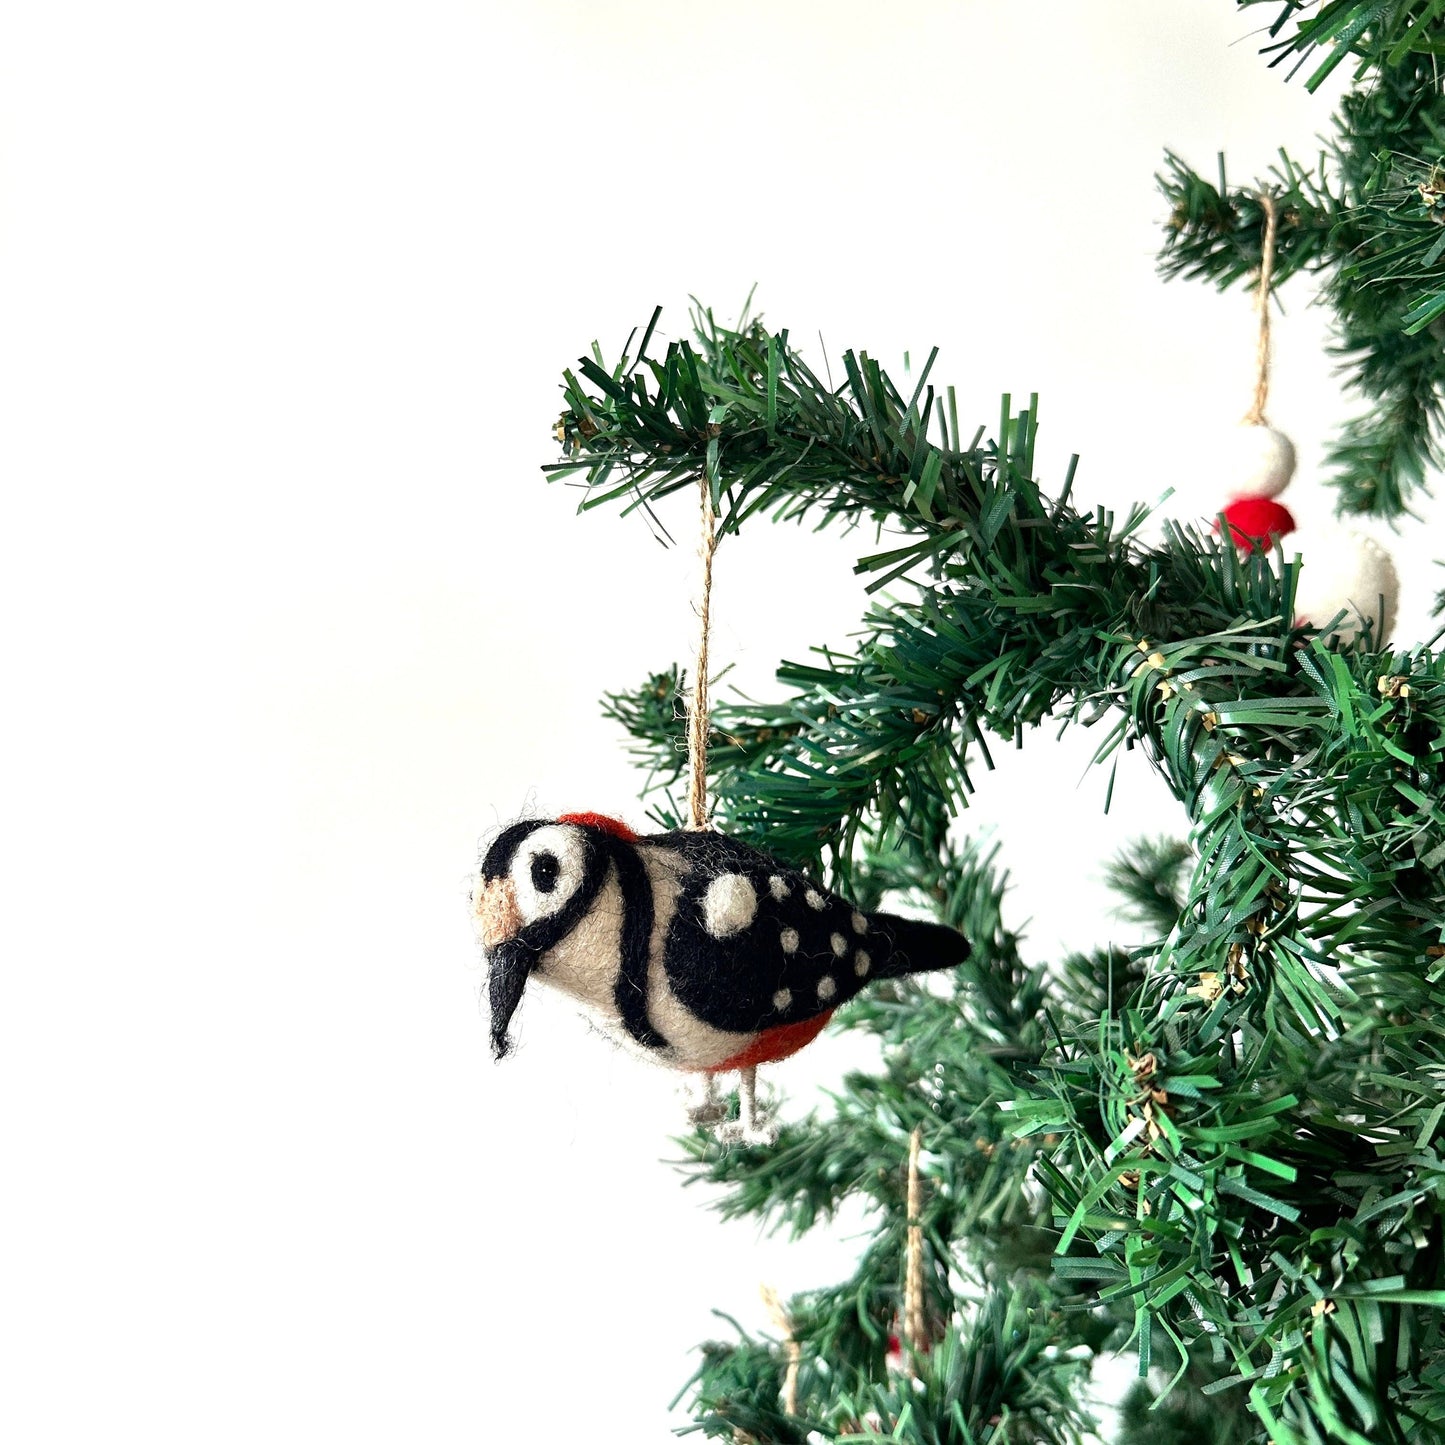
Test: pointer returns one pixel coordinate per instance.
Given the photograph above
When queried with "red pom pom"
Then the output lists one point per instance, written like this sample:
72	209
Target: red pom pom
1257	521
602	822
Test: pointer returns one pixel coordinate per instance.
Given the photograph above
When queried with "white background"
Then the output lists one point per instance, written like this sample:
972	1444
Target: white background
291	620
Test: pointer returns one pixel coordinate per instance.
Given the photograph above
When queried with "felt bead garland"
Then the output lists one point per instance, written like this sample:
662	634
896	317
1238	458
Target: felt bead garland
1258	460
1346	578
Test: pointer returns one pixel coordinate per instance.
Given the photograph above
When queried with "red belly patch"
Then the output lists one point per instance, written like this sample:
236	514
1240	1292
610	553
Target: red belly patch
774	1044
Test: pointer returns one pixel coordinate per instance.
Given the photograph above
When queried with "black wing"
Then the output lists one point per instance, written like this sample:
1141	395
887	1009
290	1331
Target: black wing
802	951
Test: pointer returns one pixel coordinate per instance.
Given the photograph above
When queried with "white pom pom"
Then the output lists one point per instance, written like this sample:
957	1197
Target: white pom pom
1345	571
1255	461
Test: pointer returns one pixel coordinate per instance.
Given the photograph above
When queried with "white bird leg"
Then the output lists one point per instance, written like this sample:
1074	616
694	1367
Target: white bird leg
750	1127
704	1106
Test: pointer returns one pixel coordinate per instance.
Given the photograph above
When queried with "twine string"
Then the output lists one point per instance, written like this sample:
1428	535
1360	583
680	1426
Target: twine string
1255	415
699	723
793	1351
913	1325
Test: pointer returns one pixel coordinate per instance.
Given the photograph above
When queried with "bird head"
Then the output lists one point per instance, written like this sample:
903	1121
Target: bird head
538	879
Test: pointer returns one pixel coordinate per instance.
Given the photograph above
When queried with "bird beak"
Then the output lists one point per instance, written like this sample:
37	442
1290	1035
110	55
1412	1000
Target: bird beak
494	906
507	974
509	964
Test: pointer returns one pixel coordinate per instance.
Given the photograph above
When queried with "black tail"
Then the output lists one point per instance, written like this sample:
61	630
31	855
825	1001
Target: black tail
915	947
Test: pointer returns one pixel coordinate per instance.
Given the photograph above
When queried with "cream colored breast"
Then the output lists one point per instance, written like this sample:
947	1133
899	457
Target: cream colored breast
693	1044
586	962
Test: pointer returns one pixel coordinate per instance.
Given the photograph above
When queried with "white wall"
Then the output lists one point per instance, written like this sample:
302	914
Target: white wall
291	620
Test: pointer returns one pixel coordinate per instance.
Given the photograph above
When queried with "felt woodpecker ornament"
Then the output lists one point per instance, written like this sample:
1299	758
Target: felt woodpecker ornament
691	948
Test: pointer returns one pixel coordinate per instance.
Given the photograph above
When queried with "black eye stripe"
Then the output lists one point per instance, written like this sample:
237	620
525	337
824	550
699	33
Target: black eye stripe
545	869
500	855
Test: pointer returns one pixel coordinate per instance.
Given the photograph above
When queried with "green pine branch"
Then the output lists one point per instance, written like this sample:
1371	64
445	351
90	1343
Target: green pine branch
1376	34
995	1380
1147	877
1214	231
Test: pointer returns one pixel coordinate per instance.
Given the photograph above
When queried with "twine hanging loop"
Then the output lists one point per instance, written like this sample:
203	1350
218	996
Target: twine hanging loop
793	1351
914	1329
699	723
1255	415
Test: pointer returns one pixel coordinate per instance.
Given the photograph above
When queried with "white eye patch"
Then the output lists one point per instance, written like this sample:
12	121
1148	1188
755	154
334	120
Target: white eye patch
547	870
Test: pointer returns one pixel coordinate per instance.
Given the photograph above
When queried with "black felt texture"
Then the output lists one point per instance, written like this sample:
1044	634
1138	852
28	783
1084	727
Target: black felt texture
730	983
630	991
498	858
507	974
545	869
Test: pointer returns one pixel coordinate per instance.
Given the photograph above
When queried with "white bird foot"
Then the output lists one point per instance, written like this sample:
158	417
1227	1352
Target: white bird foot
706	1112
751	1126
704	1107
736	1131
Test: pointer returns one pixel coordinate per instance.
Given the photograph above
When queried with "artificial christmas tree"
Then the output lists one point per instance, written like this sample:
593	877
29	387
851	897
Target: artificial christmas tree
1219	1149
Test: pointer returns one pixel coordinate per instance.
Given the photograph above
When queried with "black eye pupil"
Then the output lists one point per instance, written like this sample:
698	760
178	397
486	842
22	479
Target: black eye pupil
544	872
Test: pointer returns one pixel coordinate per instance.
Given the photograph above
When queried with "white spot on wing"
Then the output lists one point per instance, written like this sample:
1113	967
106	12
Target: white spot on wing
840	945
789	939
782	999
861	963
826	987
778	887
729	905
814	899
860	924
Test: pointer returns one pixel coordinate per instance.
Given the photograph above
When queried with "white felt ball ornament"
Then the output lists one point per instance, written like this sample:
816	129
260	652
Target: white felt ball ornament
1345	571
1256	461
